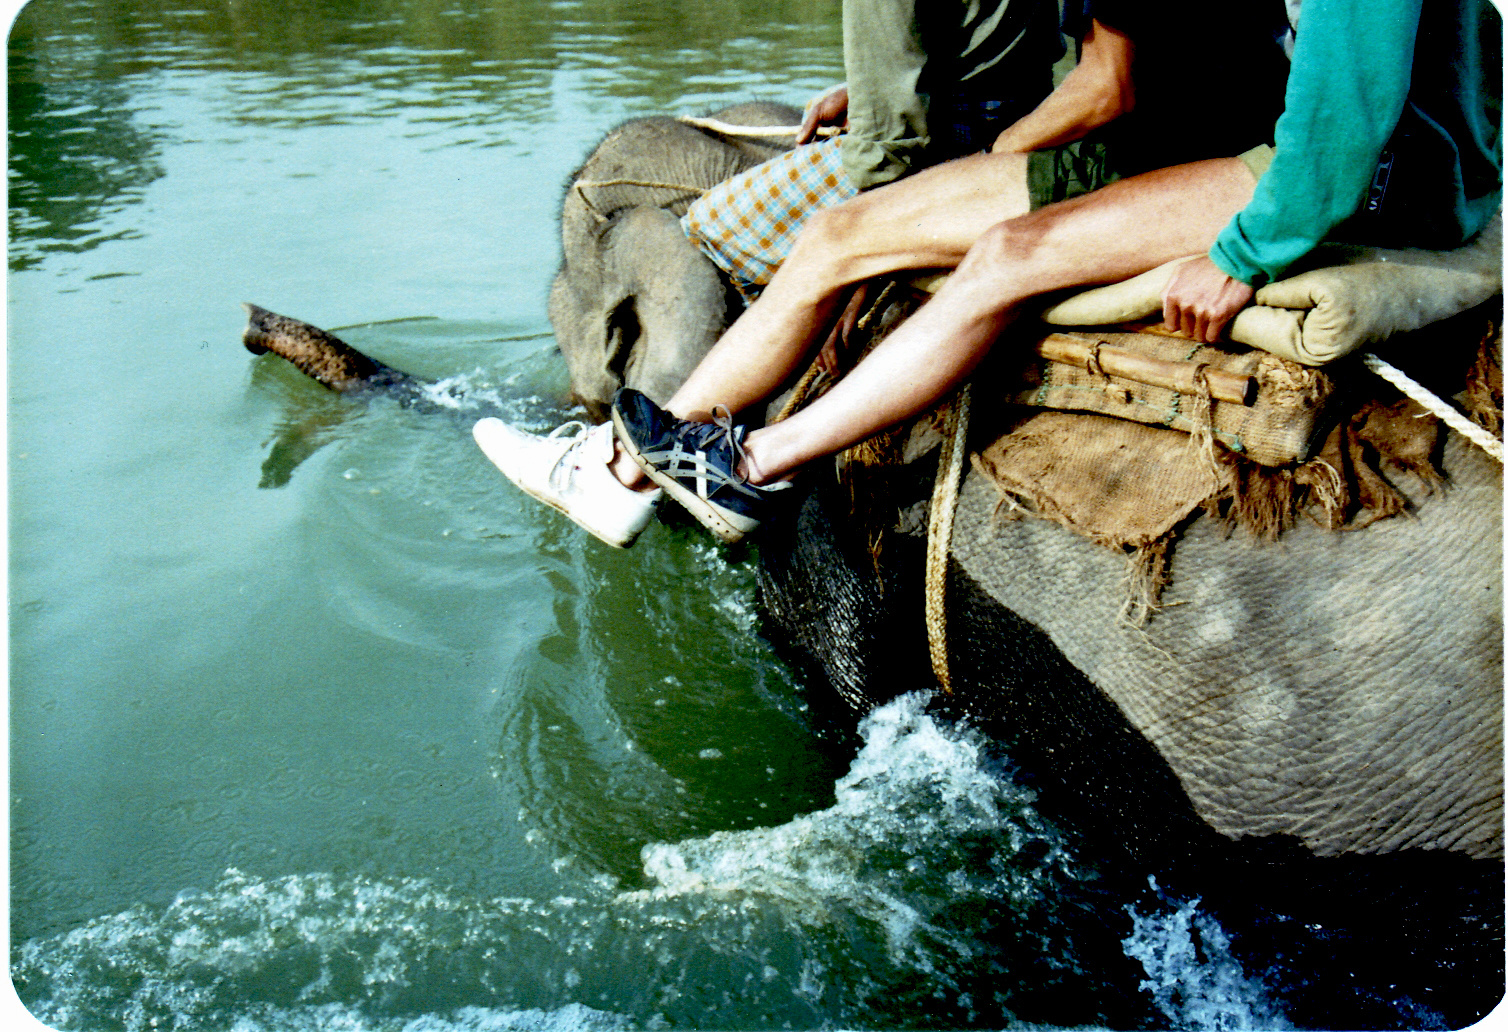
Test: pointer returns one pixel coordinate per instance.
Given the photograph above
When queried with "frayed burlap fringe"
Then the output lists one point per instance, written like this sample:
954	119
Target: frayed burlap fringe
1483	396
1147	563
1146	578
1135	488
1262	501
1201	409
1121	484
1346	485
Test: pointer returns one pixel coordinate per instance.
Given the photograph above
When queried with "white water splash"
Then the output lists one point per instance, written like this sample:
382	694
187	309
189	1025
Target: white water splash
1192	976
913	793
338	1018
464	392
733	595
324	945
867	912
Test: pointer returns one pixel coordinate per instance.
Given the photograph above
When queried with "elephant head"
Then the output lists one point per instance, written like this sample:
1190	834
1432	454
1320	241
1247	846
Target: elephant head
635	302
644	313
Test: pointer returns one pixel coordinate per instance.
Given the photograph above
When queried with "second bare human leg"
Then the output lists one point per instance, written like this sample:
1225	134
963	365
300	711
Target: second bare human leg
927	220
1119	231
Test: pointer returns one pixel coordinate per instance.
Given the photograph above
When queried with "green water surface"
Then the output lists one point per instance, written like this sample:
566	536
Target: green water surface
318	724
255	626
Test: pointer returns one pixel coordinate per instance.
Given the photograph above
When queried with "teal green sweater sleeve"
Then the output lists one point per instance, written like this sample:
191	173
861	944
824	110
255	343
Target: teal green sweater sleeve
1352	66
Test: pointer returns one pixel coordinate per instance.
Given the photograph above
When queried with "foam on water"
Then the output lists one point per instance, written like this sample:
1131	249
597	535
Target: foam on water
340	1018
915	792
1191	975
317	952
464	392
926	893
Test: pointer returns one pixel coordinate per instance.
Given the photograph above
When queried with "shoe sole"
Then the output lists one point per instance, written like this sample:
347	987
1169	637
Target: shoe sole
552	503
706	514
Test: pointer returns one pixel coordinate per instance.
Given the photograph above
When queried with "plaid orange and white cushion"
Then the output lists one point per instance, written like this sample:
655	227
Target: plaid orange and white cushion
748	224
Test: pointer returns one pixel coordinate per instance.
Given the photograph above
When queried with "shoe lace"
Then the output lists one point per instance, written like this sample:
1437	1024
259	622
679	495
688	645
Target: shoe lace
559	473
721	429
574	424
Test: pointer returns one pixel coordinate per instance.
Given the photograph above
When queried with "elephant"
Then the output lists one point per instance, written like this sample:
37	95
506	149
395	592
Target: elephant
1306	740
1343	690
1307	736
1309	730
636	303
1340	690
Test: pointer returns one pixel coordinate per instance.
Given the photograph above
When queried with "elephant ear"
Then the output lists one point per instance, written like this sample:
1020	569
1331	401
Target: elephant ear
667	305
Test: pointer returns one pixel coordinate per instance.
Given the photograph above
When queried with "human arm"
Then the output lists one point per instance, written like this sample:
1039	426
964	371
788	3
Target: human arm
1098	90
1352	67
1202	298
827	109
833	354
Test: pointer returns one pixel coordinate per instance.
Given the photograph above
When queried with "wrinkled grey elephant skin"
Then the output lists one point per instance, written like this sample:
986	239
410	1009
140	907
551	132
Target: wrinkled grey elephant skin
860	633
1339	690
1345	689
635	303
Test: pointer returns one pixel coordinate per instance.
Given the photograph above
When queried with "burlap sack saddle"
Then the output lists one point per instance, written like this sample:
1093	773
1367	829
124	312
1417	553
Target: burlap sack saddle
1122	432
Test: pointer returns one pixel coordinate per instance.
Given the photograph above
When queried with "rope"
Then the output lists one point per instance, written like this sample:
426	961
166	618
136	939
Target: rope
877	307
580	186
803	389
1436	405
940	535
812	379
711	125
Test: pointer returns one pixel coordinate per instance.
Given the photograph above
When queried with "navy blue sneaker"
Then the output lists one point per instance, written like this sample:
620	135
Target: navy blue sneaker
696	463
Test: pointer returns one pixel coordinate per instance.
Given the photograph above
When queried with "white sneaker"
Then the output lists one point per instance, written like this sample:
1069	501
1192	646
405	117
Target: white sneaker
571	474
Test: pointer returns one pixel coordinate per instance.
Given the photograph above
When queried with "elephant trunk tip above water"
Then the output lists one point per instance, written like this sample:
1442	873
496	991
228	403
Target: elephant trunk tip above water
635	302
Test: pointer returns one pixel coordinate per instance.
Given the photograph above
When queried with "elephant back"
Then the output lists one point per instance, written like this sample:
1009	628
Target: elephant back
1344	688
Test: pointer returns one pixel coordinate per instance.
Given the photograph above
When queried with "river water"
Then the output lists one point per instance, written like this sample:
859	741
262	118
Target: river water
318	724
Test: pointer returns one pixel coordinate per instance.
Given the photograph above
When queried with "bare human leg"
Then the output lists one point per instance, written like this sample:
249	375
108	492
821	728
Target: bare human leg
1119	231
925	221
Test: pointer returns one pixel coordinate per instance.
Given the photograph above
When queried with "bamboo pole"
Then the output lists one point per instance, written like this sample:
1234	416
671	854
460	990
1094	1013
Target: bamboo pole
1156	372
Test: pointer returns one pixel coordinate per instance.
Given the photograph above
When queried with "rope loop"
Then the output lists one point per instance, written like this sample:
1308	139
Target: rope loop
940	535
1094	366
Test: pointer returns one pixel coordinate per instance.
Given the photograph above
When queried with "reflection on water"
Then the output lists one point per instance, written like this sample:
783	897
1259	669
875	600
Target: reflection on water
489	74
75	154
308	421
